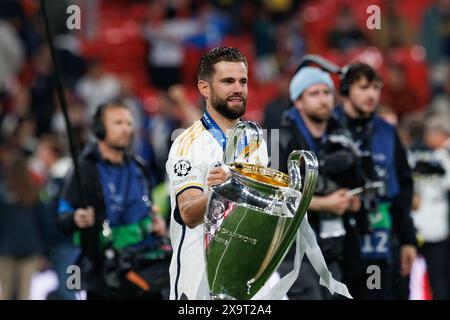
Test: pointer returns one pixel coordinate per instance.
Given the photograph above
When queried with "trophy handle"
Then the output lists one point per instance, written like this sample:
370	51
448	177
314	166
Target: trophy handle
311	171
243	130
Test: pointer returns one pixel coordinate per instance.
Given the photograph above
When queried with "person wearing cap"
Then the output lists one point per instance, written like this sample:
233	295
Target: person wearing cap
308	125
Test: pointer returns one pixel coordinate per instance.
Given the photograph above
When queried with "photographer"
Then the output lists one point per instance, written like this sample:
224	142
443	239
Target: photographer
391	231
308	125
122	254
431	173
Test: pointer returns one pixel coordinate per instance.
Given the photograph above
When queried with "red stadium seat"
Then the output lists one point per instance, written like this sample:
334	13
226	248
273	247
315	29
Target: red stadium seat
412	59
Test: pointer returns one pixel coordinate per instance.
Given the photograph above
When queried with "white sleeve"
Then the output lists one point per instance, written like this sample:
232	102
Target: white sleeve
185	171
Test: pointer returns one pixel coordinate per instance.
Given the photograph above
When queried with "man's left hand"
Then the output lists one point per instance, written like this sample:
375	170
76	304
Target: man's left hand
355	204
159	224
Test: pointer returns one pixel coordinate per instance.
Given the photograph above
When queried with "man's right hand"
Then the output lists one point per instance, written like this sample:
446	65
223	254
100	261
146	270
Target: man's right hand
216	176
337	202
84	218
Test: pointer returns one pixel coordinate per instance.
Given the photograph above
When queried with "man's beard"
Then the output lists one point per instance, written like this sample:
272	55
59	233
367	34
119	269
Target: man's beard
120	148
318	118
221	106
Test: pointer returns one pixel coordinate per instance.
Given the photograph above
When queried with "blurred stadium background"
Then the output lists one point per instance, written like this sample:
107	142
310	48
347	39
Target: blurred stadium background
146	52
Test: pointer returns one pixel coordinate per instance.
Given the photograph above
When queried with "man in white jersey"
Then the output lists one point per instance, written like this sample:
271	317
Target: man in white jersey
194	164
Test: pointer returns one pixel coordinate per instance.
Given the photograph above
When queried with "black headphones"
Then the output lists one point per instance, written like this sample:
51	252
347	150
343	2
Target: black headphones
98	128
344	85
329	67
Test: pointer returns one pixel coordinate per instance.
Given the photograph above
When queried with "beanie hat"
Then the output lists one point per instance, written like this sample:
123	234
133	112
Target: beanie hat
306	77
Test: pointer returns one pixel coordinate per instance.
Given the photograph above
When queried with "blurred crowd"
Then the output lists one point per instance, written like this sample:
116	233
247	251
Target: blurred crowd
144	52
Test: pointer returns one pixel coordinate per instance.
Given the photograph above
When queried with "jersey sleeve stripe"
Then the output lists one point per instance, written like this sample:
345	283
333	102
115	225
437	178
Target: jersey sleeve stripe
186	136
189	142
186	139
189	185
183	136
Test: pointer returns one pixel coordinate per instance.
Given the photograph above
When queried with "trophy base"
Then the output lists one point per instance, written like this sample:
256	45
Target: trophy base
220	296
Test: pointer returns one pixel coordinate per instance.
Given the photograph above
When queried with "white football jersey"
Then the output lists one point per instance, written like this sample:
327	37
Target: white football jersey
191	156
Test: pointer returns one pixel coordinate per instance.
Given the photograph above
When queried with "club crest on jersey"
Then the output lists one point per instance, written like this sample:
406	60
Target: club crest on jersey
182	168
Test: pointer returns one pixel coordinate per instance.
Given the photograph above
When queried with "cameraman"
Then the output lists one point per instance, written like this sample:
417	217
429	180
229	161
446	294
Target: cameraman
431	172
309	125
390	227
118	226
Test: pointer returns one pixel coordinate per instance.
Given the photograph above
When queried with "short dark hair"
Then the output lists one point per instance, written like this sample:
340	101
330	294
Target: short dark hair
354	73
101	108
209	59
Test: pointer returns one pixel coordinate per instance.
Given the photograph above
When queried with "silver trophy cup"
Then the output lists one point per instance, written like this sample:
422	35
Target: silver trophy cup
252	218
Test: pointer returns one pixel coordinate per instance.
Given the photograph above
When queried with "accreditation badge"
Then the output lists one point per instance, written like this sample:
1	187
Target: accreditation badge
377	243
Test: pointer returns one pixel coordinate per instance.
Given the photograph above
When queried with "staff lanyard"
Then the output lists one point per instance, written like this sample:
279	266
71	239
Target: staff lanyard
301	126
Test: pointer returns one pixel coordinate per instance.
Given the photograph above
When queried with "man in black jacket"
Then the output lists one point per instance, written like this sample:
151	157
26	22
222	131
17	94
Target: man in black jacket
391	230
308	125
117	219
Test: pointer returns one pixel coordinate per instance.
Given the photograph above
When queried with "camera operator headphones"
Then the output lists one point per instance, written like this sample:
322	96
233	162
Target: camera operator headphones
98	127
330	67
344	85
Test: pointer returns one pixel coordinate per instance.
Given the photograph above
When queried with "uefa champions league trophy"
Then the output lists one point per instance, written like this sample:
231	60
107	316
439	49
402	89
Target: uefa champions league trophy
252	218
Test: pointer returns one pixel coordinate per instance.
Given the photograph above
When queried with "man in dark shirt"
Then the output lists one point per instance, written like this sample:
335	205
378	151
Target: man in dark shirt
391	228
118	221
308	125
